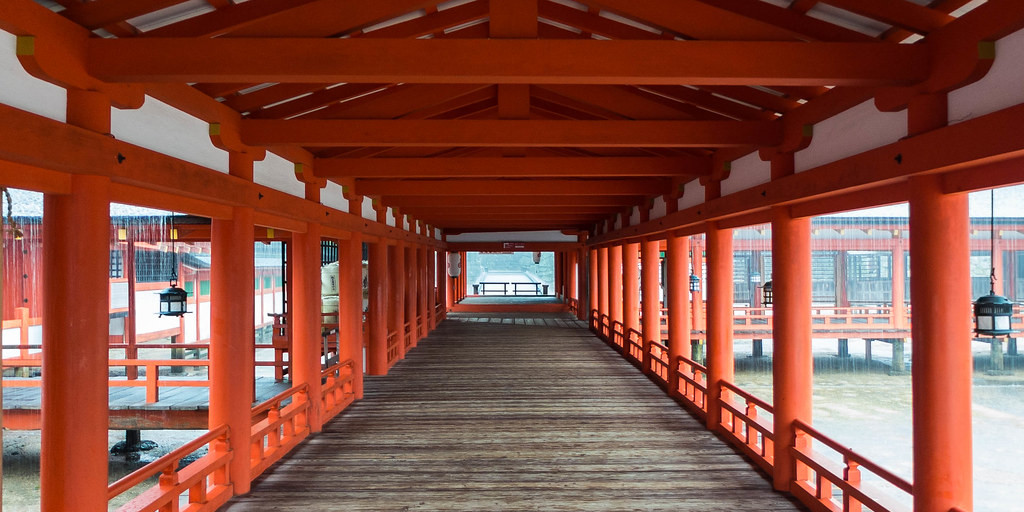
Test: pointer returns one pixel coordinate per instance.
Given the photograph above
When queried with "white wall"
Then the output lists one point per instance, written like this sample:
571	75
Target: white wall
749	171
851	132
1002	87
24	91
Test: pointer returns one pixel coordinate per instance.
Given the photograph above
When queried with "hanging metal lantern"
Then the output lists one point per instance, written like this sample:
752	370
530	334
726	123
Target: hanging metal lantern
694	283
992	315
173	300
766	294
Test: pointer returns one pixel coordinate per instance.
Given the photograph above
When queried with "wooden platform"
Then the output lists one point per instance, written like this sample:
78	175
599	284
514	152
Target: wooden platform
486	304
512	412
179	407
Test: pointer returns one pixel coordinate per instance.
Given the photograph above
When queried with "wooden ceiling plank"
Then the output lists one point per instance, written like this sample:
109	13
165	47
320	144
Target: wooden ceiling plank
101	13
900	13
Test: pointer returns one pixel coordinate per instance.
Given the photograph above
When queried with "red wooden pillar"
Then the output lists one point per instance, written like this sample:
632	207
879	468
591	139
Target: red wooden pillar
631	286
427	295
601	280
411	294
570	275
76	266
719	330
306	319
697	259
377	310
678	298
76	235
899	280
232	305
449	285
441	280
396	292
941	358
650	302
793	375
615	284
350	320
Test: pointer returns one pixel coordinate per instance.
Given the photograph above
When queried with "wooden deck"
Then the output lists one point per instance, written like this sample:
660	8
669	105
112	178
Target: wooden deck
512	412
179	407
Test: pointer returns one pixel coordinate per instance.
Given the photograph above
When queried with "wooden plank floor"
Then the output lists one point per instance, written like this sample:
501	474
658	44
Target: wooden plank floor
506	412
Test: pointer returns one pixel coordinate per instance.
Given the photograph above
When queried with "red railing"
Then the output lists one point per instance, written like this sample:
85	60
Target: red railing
693	384
152	382
278	425
633	345
660	366
826	484
392	348
574	307
205	480
407	336
336	392
745	428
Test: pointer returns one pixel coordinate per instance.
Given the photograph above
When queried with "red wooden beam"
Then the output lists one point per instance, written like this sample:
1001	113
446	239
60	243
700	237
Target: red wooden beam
512	167
500	187
510	133
259	60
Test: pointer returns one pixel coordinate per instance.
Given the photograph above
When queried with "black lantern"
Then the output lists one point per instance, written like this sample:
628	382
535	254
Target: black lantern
992	313
766	294
173	300
694	283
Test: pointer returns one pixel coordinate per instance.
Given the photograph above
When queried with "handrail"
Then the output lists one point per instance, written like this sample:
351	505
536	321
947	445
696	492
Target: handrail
170	459
861	460
744	428
276	399
660	365
693	384
205	480
337	390
271	437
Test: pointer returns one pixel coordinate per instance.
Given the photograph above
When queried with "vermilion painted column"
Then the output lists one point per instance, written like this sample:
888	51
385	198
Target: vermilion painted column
396	292
449	285
650	302
615	283
76	235
941	357
427	288
441	280
570	274
232	305
631	286
678	298
377	310
720	299
411	294
601	279
793	375
306	318
76	270
350	337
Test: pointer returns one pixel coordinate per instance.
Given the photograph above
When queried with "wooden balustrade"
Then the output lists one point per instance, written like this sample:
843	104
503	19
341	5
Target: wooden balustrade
693	385
337	390
659	362
822	471
632	345
392	347
205	480
153	381
742	425
278	425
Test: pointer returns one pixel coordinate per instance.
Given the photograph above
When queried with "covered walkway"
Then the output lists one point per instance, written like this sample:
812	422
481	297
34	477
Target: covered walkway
512	412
